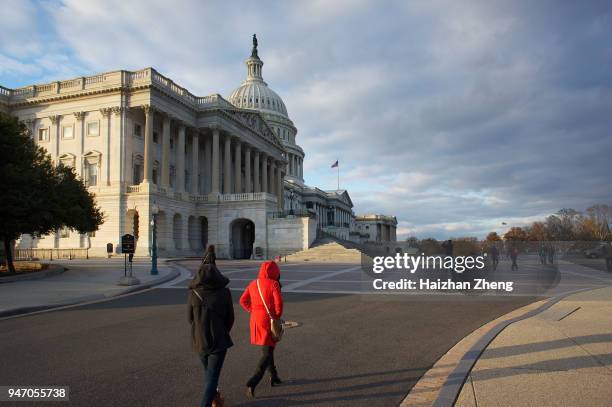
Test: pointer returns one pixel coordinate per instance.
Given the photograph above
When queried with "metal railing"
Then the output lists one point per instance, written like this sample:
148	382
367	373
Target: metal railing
51	254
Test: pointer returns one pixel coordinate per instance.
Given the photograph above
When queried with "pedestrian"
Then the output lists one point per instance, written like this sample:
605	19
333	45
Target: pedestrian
494	253
514	258
551	253
263	299
211	316
607	252
542	252
209	256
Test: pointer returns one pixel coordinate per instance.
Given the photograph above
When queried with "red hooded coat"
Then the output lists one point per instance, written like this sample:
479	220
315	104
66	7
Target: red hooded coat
261	333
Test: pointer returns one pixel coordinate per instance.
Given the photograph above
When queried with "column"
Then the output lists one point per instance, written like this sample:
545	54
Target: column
208	165
271	182
180	159
227	170
264	173
148	144
79	136
165	161
238	167
54	134
248	185
105	130
256	168
215	162
280	193
195	165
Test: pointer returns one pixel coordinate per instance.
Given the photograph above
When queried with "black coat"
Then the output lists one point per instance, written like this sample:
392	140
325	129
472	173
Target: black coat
211	311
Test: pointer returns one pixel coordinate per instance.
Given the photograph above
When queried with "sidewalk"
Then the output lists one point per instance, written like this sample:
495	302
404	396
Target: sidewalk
84	280
560	357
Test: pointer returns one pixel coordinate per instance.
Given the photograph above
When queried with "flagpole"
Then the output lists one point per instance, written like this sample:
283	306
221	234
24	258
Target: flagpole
338	176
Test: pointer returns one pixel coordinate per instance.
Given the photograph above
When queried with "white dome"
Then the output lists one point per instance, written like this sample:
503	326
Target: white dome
255	94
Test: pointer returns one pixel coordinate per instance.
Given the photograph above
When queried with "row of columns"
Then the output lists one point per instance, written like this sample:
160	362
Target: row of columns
295	166
340	216
266	174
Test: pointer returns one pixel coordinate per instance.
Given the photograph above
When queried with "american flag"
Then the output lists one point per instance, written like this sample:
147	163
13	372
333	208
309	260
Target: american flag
334	165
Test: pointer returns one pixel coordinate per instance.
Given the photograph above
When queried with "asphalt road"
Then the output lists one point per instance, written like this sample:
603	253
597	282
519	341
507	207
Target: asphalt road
349	350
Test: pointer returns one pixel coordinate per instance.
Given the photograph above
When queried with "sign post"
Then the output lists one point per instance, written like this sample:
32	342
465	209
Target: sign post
128	246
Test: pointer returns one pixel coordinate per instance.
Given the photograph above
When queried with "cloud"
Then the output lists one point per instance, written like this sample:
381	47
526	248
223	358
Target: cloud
452	117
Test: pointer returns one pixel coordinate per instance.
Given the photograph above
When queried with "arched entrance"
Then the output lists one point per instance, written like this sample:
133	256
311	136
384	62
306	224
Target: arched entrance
242	232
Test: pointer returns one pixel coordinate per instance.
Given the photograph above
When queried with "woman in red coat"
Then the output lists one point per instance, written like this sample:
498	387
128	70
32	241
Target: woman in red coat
261	331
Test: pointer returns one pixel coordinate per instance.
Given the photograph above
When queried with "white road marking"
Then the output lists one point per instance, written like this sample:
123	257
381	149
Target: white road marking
293	286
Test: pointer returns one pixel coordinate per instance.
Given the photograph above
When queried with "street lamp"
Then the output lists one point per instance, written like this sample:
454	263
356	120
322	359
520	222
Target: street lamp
291	196
154	211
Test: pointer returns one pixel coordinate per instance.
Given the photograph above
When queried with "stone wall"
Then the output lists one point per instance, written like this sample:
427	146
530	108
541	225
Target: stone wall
289	235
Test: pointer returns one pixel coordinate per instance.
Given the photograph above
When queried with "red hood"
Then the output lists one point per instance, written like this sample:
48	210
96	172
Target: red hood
269	269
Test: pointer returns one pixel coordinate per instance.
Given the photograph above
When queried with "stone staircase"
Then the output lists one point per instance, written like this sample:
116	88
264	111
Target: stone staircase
327	250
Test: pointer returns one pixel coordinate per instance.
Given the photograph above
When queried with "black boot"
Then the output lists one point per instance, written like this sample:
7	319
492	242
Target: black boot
250	392
274	379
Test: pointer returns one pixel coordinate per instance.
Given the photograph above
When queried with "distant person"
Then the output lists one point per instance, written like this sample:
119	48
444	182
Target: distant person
542	252
263	299
494	254
514	257
551	254
448	248
607	253
211	315
210	257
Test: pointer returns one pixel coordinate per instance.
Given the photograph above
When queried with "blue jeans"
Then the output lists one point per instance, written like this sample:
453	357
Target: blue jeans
212	363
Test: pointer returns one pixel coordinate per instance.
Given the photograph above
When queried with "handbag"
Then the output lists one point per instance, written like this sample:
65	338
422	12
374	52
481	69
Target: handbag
276	325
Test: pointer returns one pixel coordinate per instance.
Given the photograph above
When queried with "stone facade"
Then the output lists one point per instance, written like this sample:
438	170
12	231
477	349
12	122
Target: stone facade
374	228
207	169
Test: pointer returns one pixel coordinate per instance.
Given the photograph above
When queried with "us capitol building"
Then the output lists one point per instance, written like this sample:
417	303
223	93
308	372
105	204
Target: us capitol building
210	170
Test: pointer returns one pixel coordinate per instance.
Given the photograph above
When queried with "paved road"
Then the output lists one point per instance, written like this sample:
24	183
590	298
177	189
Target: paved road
350	350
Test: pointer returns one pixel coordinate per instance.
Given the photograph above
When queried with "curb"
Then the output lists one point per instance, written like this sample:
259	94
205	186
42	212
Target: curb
23	311
52	270
448	386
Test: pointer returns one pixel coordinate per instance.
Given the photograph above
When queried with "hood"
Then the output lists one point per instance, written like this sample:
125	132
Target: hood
208	278
269	269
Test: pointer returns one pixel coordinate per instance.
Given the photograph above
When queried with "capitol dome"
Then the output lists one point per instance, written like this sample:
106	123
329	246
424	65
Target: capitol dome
254	93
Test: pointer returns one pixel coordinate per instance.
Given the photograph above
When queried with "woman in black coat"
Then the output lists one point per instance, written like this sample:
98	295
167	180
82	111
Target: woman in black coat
211	315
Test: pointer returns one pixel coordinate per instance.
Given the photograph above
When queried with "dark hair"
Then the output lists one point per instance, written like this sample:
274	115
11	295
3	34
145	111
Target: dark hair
211	248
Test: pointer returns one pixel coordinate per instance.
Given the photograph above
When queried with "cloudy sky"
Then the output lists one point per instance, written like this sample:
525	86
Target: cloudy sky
453	116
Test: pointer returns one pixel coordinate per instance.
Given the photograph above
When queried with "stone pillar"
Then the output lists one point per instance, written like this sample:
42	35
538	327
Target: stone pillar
80	137
54	134
148	144
264	173
195	165
215	162
180	159
238	167
280	193
271	182
165	161
227	164
248	185
105	131
256	168
208	165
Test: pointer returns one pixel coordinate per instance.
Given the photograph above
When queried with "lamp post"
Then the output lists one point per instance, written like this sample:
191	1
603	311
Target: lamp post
154	211
291	196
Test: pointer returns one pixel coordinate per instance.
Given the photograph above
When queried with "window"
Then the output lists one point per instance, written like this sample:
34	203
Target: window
91	174
171	143
93	129
43	134
155	136
68	132
91	234
137	130
67	160
64	232
155	174
138	170
187	180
